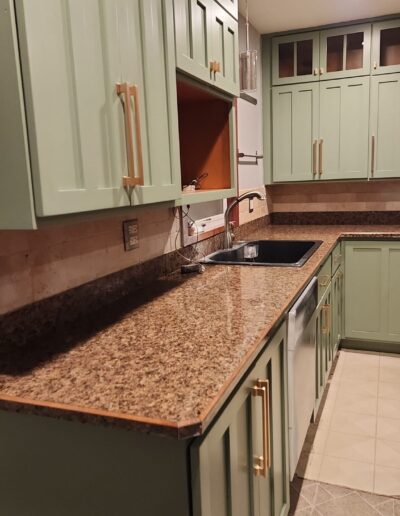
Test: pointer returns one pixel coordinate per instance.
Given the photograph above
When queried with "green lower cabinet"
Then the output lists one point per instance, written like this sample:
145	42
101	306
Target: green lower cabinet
385	126
324	352
372	291
224	477
337	309
343	128
294	132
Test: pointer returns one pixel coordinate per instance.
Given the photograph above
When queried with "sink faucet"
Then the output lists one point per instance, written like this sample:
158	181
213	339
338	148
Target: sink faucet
228	225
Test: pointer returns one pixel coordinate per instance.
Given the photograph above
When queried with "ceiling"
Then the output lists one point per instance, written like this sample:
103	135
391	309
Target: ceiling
281	15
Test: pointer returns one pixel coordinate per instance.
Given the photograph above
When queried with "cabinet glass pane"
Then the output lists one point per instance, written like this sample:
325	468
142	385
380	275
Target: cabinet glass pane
334	51
354	51
390	47
286	60
304	57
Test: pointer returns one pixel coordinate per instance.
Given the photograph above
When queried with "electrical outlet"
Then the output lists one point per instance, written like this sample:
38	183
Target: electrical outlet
131	234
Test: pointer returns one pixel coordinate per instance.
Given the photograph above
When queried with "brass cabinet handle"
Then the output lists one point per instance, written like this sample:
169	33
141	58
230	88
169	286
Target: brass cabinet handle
314	157
321	71
262	464
128	91
372	156
326	310
324	280
316	71
321	146
375	65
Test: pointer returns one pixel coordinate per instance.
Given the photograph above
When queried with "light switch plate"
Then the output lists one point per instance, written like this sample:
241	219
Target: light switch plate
131	234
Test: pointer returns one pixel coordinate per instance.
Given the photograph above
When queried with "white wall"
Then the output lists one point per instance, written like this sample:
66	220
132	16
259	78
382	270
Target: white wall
250	136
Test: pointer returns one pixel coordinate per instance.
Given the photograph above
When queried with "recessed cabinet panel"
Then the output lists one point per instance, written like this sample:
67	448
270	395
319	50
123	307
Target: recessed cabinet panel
386	47
231	6
385	126
295	58
295	132
393	319
344	106
345	52
364	296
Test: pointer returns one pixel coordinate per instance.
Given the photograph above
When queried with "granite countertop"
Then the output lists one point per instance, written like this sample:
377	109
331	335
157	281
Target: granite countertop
166	361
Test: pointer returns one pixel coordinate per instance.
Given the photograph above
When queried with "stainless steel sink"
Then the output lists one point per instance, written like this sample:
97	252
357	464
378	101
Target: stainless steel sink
272	253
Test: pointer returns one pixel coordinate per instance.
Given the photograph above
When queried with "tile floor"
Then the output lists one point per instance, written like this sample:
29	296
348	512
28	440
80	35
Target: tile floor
355	441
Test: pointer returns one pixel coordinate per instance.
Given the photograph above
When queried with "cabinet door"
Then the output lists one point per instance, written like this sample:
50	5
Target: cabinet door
225	461
225	50
295	58
231	6
73	55
385	126
345	52
393	291
386	47
337	309
344	116
319	356
294	132
193	37
365	290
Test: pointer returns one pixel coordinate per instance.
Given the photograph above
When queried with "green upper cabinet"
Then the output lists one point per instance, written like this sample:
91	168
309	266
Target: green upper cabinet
231	6
295	58
295	132
345	52
343	129
372	291
207	46
385	126
386	47
84	136
100	103
240	468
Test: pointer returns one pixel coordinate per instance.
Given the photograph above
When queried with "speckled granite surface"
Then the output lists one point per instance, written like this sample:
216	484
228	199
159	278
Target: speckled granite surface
165	358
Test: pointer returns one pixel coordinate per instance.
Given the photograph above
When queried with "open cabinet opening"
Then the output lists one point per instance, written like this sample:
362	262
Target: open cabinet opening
205	139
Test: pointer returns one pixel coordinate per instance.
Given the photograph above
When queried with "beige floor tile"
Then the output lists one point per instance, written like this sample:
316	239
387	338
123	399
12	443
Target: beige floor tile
388	429
309	465
389	373
361	387
388	359
357	358
357	403
387	453
362	371
351	447
352	423
388	390
347	473
387	481
316	439
389	408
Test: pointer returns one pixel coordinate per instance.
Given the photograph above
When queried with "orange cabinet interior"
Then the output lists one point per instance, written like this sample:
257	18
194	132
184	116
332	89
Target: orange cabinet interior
204	134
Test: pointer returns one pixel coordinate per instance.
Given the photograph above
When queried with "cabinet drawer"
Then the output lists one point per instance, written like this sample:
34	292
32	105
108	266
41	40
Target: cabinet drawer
231	6
324	277
336	257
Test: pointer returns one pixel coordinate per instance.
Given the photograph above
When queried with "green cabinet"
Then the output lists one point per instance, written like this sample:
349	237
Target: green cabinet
386	47
385	126
345	52
228	473
324	355
372	290
231	6
295	58
85	134
207	46
343	129
337	309
294	132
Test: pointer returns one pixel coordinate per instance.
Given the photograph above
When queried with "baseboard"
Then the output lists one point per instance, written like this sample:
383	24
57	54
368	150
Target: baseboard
366	345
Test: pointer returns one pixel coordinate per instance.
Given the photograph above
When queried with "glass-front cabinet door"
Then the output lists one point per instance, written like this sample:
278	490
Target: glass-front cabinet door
345	52
295	58
386	47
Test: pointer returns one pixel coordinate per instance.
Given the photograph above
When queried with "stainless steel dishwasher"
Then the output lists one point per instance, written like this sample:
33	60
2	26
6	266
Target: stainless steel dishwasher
301	369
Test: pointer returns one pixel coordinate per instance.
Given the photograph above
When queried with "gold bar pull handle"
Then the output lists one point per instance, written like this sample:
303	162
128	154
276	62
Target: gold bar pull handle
262	464
127	91
314	157
326	310
321	147
372	156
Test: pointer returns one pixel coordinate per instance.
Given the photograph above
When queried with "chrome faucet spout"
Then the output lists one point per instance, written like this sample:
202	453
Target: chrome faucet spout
228	230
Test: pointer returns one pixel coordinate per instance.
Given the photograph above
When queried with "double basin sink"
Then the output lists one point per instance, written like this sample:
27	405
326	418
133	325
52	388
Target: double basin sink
272	253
